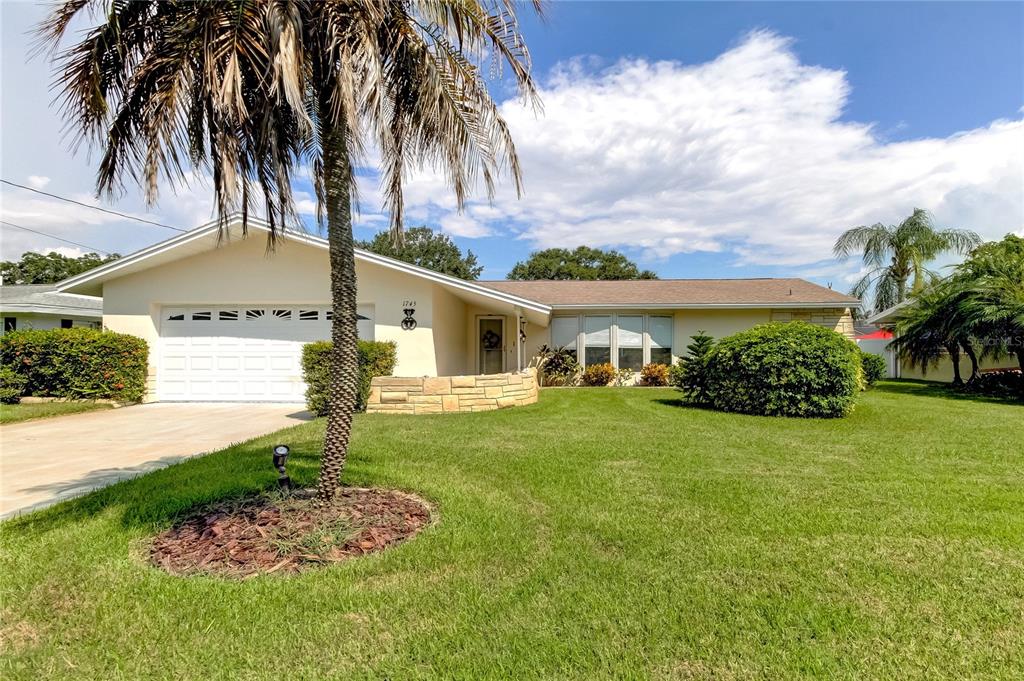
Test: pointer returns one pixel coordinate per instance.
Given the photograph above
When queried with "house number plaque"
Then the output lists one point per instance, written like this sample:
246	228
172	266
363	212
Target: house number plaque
408	309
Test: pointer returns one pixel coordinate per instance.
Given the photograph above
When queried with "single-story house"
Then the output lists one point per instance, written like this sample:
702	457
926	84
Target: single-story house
40	306
226	318
942	370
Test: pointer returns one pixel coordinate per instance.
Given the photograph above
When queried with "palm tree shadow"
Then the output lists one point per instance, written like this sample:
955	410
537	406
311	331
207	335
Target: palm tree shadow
157	498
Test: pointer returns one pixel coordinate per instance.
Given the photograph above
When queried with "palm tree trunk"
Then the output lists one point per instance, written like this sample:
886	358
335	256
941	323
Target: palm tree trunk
969	349
954	357
344	384
1020	359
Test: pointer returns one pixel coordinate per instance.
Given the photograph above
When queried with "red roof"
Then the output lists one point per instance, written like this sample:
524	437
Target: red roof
881	334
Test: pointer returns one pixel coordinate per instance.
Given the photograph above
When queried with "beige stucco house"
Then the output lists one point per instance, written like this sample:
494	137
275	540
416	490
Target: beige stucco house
226	318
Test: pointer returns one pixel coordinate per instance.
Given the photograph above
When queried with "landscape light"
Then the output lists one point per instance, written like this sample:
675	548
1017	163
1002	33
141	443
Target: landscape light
280	459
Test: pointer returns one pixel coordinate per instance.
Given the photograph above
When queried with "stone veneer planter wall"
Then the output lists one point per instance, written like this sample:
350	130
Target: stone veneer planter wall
444	394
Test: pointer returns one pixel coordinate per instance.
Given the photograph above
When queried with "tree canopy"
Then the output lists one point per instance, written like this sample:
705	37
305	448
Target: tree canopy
582	263
424	247
897	256
37	268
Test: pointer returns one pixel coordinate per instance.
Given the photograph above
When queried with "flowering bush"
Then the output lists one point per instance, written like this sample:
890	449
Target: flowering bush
77	363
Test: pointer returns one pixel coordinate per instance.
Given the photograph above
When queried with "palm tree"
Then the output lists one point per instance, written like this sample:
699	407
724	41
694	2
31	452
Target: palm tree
897	255
253	90
933	327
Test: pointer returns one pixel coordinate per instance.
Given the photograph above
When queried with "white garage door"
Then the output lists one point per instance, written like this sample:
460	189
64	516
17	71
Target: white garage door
240	353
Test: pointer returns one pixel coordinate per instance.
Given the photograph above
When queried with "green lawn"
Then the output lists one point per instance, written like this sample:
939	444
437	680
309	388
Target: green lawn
602	533
12	413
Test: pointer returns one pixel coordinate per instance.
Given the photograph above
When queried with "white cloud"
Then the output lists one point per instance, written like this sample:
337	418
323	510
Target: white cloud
745	154
37	181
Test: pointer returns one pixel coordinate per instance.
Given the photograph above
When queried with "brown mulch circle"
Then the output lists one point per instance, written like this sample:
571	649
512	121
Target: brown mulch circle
288	534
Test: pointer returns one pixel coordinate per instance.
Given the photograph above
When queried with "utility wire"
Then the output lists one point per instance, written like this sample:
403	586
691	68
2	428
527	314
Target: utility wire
86	205
67	241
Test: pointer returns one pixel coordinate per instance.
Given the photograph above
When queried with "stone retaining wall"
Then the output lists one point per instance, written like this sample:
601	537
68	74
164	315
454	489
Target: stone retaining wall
444	394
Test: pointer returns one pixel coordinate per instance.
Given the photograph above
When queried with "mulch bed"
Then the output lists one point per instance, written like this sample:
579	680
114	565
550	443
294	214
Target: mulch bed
263	535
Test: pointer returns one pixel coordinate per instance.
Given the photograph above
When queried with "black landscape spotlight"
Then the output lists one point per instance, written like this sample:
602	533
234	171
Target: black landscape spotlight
280	459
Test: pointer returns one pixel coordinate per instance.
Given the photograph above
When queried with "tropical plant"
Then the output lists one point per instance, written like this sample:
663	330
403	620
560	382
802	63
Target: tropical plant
424	247
557	366
623	377
931	329
598	375
654	375
981	305
255	91
690	372
897	255
582	263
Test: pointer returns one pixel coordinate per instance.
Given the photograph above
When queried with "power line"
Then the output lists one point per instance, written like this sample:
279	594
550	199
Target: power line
86	205
52	236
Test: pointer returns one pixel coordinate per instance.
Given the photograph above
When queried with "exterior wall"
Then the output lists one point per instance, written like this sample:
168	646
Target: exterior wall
838	319
943	371
449	324
242	272
448	394
715	323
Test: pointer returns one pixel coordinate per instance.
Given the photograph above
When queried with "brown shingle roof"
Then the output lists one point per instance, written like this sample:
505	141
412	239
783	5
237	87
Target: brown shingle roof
672	292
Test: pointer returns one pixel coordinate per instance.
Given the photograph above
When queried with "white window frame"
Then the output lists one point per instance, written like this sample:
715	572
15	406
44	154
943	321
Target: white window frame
581	345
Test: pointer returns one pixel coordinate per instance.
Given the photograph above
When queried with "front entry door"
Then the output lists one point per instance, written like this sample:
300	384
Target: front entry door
491	344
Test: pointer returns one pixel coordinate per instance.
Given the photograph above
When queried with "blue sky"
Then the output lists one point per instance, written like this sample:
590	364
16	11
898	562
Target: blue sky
703	139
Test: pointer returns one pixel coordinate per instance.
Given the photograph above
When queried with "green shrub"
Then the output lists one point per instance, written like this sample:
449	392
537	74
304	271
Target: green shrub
690	373
77	363
376	358
654	375
598	375
998	383
873	366
784	369
12	385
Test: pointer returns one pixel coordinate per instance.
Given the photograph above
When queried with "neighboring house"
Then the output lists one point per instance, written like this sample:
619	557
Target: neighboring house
40	306
226	320
941	370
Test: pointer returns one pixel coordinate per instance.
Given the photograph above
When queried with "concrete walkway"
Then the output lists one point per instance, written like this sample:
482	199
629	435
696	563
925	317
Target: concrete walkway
46	460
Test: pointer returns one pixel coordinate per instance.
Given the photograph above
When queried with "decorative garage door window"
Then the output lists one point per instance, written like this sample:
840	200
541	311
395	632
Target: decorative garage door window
274	315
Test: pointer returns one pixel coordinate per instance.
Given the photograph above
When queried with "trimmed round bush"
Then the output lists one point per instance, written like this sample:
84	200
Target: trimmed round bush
784	369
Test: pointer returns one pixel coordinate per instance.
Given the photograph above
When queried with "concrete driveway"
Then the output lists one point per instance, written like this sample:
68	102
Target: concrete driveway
47	460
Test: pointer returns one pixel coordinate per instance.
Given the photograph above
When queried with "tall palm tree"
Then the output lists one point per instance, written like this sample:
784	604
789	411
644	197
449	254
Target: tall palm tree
933	328
253	90
897	255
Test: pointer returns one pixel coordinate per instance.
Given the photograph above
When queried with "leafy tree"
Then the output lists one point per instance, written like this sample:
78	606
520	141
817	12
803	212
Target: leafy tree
897	255
930	330
424	247
37	268
254	91
690	372
583	263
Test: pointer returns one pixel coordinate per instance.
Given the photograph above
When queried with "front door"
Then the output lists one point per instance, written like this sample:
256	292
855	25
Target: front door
491	344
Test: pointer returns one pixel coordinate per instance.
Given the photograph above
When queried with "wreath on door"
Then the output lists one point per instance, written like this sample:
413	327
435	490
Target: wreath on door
490	340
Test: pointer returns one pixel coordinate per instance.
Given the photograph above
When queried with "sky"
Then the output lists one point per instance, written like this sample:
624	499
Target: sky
701	139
